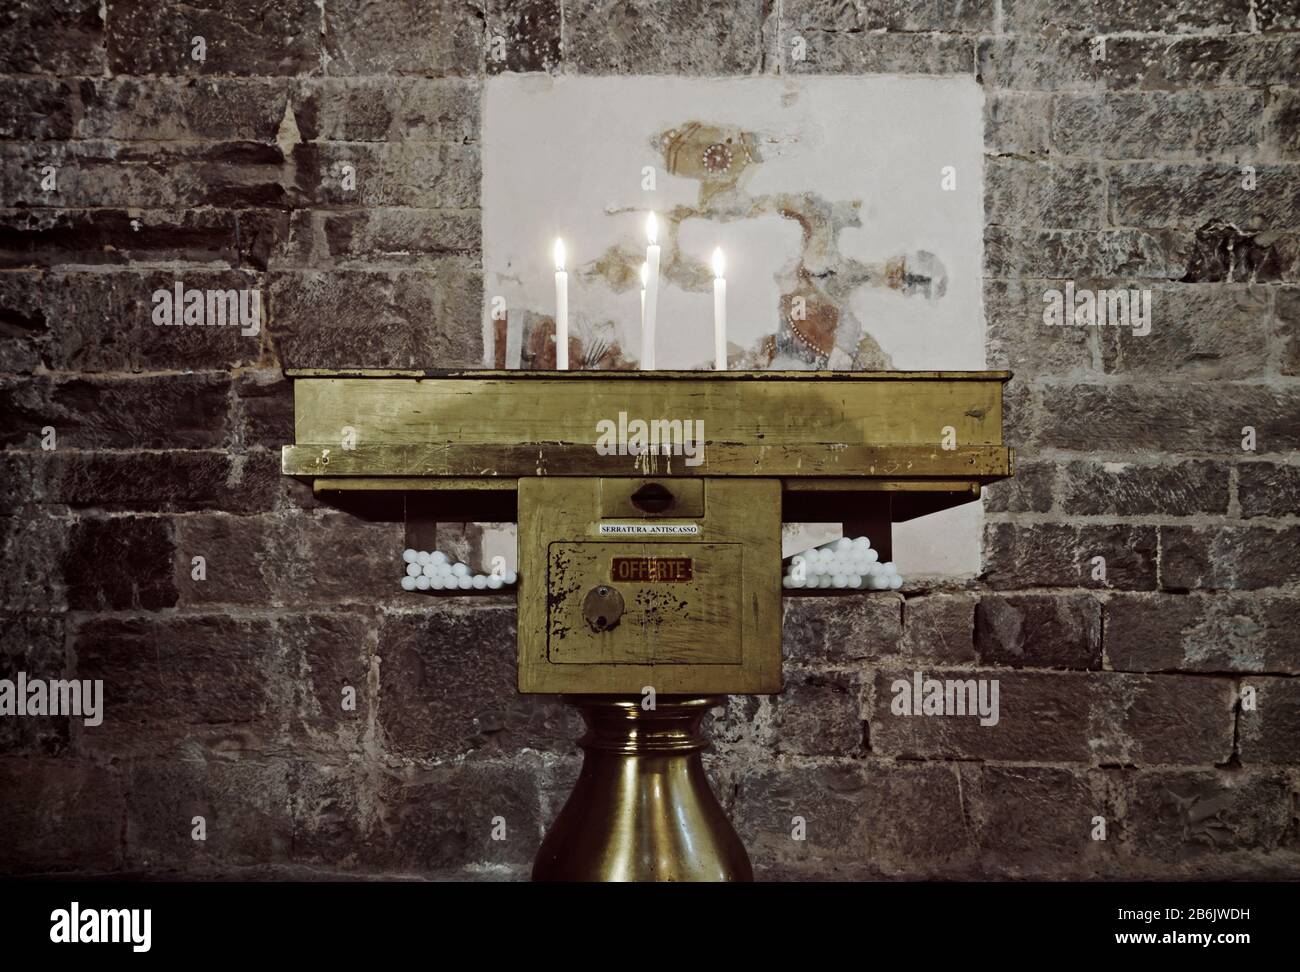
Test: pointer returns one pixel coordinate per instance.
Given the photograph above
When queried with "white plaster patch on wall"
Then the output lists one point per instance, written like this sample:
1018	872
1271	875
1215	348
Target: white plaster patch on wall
830	189
564	156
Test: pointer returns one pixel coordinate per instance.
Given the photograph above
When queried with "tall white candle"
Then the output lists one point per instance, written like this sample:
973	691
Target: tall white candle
651	294
561	309
645	272
719	312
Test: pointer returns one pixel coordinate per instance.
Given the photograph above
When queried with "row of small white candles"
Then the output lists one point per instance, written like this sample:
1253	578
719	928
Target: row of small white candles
435	571
842	564
649	303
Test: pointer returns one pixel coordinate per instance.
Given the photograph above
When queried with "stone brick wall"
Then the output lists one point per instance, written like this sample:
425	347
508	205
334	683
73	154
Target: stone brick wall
1120	697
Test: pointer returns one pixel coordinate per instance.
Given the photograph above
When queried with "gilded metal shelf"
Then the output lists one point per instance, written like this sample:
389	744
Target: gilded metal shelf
479	428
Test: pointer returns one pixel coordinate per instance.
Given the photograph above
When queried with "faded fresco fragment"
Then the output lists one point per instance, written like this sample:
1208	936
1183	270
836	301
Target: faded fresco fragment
814	324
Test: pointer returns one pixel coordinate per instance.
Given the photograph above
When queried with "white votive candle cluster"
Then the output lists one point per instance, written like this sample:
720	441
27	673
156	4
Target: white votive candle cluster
842	564
434	571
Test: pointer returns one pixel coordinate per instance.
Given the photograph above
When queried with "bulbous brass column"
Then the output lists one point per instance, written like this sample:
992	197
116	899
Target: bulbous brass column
642	809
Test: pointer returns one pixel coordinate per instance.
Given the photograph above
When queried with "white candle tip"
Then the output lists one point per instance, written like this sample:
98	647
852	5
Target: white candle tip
719	263
652	228
559	254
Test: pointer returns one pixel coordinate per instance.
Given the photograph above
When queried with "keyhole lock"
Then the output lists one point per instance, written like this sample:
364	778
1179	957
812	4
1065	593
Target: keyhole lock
602	608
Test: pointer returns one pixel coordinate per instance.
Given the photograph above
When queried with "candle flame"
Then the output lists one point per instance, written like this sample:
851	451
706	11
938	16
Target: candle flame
652	228
645	275
559	254
719	264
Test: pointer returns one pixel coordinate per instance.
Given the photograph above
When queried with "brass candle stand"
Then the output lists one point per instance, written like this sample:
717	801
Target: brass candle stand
649	509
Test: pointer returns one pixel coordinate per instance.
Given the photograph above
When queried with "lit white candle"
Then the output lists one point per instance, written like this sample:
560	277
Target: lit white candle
719	312
651	294
561	309
645	273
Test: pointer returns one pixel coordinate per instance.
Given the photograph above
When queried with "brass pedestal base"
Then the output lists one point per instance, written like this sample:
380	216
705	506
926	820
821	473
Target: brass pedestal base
642	809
